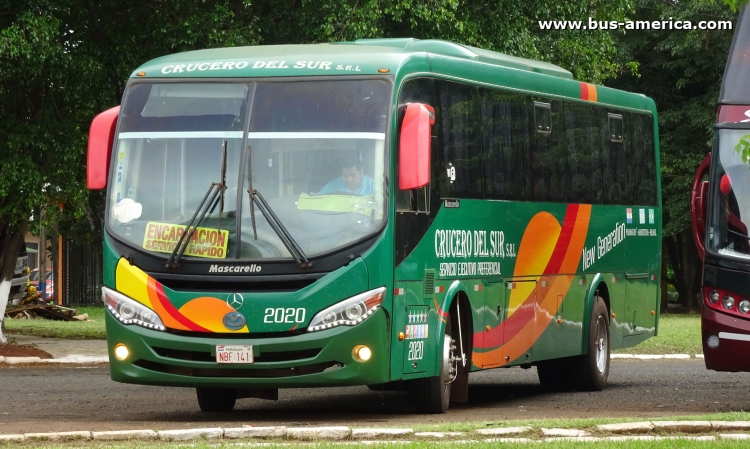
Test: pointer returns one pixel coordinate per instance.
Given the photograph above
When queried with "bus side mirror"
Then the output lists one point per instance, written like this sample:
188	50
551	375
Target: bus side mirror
699	206
101	139
414	146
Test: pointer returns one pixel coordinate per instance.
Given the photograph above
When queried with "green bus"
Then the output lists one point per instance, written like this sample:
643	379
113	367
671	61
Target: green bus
387	212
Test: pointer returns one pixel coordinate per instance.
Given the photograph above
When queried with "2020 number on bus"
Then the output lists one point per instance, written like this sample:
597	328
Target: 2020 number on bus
416	350
282	315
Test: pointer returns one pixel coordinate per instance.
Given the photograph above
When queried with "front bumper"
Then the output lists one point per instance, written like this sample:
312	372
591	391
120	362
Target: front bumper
312	359
734	341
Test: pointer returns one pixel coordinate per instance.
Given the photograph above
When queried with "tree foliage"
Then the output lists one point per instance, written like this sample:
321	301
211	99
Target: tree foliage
681	71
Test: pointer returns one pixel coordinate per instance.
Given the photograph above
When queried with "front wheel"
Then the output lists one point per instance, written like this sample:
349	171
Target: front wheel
593	368
216	399
431	395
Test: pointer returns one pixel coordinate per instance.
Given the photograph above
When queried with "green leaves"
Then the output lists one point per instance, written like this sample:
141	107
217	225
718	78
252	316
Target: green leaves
681	71
735	5
743	149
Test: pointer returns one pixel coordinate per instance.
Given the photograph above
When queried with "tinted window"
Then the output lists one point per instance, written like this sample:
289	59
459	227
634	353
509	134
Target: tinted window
459	140
615	166
506	125
547	160
643	159
582	143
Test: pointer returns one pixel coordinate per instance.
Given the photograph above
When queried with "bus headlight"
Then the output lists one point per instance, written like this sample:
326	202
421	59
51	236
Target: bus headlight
349	312
130	311
728	302
713	297
744	306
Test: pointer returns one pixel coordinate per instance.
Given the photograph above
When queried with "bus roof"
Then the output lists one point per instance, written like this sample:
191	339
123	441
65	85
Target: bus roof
386	56
446	48
368	54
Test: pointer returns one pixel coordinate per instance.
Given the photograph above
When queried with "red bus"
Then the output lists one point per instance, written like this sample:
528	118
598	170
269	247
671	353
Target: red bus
720	207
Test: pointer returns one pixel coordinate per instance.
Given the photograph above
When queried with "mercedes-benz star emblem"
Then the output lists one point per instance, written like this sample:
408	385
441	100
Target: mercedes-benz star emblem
235	300
234	321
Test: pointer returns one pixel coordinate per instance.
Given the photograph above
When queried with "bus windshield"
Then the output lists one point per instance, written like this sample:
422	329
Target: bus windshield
314	149
730	217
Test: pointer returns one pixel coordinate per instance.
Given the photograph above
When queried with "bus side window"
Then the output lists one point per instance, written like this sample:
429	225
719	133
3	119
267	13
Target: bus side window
505	143
547	158
643	158
583	159
614	161
459	141
418	90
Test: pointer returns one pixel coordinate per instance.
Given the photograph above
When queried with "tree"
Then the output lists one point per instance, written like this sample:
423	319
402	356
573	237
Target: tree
681	71
64	61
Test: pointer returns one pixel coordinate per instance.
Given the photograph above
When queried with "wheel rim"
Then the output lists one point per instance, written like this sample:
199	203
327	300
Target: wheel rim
445	365
602	344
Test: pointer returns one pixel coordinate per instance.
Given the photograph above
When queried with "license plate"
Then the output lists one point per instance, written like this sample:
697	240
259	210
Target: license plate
234	353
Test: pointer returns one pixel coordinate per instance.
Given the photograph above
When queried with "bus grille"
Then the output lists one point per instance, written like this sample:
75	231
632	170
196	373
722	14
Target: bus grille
237	373
201	356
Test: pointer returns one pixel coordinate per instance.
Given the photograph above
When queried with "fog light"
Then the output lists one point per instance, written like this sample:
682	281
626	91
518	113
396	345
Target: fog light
361	353
713	342
121	352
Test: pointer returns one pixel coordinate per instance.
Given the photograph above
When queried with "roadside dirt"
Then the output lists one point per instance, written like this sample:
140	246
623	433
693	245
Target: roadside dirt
16	350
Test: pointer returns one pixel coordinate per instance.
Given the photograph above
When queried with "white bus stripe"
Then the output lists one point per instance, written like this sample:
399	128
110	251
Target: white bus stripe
238	135
732	336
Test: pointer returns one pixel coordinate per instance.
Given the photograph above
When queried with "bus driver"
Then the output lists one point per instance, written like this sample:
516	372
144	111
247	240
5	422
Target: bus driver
352	180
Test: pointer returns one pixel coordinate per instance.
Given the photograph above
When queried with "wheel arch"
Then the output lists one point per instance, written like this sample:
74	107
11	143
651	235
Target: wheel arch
457	295
598	287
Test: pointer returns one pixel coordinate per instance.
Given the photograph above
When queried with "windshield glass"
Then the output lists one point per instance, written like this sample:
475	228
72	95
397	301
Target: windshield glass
730	215
315	150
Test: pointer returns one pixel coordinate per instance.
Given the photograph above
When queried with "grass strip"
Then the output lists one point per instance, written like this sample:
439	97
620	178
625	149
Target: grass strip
93	329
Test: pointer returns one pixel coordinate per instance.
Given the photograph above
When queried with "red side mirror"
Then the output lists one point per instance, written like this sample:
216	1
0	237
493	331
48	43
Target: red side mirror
101	139
414	146
699	206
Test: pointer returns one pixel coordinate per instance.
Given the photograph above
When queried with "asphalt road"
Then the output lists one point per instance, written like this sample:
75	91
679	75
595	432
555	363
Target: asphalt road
47	399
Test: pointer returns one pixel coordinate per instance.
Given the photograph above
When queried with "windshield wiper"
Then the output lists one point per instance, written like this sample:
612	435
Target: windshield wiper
213	197
282	232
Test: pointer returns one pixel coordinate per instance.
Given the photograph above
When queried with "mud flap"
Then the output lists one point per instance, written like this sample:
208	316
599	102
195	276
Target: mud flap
460	387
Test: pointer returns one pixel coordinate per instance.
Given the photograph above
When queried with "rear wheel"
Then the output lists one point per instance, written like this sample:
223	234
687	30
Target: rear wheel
216	399
432	395
593	368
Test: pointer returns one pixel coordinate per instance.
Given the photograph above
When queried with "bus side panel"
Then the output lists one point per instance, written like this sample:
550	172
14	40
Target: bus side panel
618	326
641	278
494	312
563	335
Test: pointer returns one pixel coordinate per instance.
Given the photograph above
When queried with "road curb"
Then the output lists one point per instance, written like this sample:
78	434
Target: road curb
124	435
634	431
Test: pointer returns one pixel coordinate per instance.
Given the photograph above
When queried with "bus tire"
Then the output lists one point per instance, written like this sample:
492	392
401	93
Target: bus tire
593	368
431	395
214	400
